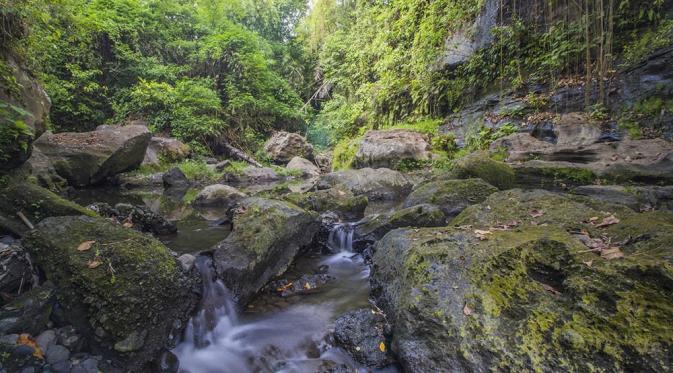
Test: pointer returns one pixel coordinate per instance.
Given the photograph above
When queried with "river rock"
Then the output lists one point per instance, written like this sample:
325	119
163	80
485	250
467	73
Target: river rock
341	201
307	168
362	333
86	158
145	220
219	195
374	227
324	161
126	294
528	295
283	146
175	178
452	196
391	149
17	274
28	313
481	165
375	184
165	149
267	235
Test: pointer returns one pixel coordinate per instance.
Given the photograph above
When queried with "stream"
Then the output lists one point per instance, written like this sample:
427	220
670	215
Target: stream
273	333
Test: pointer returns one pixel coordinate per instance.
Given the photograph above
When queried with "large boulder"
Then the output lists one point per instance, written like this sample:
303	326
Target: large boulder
340	201
219	195
514	285
452	196
121	289
267	235
374	227
376	184
86	158
306	167
391	149
24	112
364	334
34	203
283	146
480	165
165	149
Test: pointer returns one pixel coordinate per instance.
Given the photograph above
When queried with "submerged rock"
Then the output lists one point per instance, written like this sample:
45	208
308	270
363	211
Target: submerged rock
375	184
364	334
514	285
341	201
267	235
283	146
124	291
391	149
452	196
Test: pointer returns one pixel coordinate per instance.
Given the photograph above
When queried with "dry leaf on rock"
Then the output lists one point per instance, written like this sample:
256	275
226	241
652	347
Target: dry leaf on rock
610	220
382	347
482	234
27	340
612	253
467	311
86	245
536	213
93	264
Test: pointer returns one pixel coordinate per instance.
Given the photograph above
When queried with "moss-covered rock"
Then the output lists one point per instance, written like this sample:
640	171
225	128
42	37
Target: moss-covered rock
36	203
126	293
452	196
341	201
374	227
530	296
552	175
375	184
267	235
480	165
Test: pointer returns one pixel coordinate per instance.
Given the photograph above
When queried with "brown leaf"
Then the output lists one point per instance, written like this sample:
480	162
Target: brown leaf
482	234
589	263
550	289
610	220
127	224
467	311
93	264
536	213
284	287
382	347
86	245
307	286
27	340
612	253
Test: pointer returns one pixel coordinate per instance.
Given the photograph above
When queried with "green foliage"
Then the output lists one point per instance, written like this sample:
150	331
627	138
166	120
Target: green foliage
15	135
343	154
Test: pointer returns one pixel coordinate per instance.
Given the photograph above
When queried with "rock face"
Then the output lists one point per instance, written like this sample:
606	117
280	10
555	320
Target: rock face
87	158
307	168
638	198
165	149
219	195
391	149
362	333
283	146
125	293
267	235
342	202
480	165
374	227
175	178
27	95
376	184
452	196
530	296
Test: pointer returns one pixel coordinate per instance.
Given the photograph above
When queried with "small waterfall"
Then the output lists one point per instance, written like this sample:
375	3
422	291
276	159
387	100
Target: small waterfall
341	237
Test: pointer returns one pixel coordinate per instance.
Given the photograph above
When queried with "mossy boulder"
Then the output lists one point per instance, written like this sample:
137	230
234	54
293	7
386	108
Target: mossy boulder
375	184
126	292
267	235
480	165
530	296
374	227
36	203
452	196
552	175
341	201
219	195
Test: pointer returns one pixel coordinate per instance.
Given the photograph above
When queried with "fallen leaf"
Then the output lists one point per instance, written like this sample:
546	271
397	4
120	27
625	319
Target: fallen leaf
284	287
127	224
614	157
382	347
27	340
481	234
536	213
86	245
593	219
589	263
307	286
610	220
93	264
612	253
550	289
467	311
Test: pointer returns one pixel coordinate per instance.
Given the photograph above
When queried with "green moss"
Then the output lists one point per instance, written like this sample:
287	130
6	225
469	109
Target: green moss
343	154
647	42
15	135
480	165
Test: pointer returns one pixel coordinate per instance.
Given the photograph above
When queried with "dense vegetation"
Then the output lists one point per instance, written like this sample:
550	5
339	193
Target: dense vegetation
238	69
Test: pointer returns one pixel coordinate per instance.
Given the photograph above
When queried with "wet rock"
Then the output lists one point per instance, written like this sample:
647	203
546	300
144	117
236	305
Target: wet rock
374	227
267	235
144	219
303	284
46	339
36	203
28	313
89	365
375	184
219	195
452	196
165	149
57	353
187	262
283	146
259	174
87	158
341	201
39	166
480	165
362	333
61	367
175	178
17	273
69	338
529	295
391	149
221	166
307	168
126	286
129	180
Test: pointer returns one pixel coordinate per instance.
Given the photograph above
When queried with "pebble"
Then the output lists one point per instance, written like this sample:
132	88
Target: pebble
46	339
57	353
